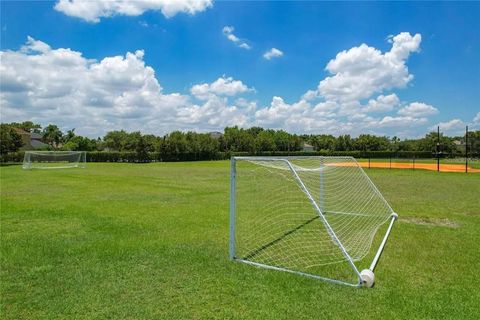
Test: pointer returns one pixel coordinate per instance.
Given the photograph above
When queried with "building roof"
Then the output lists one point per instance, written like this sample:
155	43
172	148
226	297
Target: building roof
21	131
36	136
215	134
38	144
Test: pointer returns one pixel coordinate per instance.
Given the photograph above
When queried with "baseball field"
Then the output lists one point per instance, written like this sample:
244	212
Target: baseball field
150	241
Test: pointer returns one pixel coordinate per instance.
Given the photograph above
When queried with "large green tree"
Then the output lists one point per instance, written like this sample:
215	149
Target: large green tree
473	142
431	143
265	141
141	149
175	143
323	142
52	135
344	143
10	141
116	140
282	140
69	135
238	139
79	143
368	142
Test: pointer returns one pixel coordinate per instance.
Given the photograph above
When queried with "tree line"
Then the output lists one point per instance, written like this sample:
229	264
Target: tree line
368	142
233	139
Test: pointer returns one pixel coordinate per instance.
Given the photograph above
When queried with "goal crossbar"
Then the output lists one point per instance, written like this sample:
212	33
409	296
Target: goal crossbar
320	216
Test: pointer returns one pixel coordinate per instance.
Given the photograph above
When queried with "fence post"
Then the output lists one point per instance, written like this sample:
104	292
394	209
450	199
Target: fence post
390	161
414	161
369	162
466	149
438	149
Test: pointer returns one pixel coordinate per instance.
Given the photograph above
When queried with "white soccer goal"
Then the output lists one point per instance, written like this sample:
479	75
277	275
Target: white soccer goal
311	216
54	159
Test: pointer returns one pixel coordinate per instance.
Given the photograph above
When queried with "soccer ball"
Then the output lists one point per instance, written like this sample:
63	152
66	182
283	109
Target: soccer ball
368	278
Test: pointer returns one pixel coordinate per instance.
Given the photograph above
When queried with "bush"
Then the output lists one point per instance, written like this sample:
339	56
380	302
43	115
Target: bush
12	157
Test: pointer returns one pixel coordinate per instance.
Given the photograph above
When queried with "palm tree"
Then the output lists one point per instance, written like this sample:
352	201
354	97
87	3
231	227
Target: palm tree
52	135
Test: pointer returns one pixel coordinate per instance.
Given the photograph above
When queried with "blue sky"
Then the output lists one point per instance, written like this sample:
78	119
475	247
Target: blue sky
187	47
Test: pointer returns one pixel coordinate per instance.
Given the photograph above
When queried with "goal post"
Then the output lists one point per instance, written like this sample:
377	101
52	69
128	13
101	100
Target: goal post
306	215
54	159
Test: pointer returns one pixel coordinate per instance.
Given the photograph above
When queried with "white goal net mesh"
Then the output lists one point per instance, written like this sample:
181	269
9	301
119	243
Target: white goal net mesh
277	218
54	159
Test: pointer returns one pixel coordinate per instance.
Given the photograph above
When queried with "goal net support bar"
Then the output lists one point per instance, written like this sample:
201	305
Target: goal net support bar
302	174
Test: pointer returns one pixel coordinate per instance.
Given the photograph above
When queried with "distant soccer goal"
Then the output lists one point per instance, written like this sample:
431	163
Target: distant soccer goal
54	159
306	215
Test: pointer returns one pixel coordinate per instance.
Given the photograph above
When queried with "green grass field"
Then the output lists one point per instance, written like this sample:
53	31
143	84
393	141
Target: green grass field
150	241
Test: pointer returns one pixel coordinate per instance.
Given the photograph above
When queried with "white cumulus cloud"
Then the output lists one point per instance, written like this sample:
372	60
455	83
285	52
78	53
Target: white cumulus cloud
418	109
92	11
228	32
310	95
476	120
362	71
451	127
272	53
216	113
60	85
389	121
279	112
225	86
382	103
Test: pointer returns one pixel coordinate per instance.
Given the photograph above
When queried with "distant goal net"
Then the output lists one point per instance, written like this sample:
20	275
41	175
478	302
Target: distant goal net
306	215
54	159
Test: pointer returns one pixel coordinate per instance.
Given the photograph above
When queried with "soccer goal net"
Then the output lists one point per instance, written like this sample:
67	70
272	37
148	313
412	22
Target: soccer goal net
54	159
306	215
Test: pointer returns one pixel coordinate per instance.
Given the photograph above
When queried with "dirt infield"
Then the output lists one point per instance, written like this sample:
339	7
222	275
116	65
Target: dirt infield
425	166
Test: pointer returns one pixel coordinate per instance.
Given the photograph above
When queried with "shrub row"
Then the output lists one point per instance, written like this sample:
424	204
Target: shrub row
12	157
110	156
133	157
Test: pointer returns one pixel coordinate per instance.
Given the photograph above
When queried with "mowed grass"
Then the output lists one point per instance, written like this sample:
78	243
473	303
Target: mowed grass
150	241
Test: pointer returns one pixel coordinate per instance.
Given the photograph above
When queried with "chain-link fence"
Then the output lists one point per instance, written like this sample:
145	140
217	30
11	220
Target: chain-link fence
445	162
